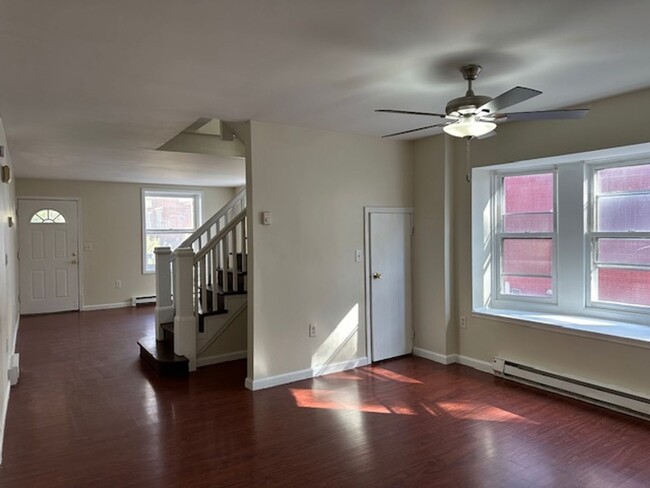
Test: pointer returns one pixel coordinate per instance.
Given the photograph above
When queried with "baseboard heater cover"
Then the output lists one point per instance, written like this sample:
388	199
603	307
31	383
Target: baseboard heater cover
135	301
614	399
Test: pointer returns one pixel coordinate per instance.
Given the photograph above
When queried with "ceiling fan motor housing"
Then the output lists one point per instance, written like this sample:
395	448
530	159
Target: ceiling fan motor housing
466	105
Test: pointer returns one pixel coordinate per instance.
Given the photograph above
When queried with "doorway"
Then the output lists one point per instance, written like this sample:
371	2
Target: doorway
388	233
48	255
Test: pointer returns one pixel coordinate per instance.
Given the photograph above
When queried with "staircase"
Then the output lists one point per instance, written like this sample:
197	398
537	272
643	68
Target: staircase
201	296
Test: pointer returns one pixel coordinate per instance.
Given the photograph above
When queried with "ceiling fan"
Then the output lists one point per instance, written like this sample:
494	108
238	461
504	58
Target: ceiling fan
477	115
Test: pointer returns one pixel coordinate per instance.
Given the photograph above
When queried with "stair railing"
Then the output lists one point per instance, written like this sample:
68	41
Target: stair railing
222	263
213	226
208	258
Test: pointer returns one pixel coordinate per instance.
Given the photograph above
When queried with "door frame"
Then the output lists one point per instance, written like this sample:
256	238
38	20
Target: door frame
80	252
367	211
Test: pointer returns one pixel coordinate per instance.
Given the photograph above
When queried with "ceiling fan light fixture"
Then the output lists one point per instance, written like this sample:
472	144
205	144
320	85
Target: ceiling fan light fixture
469	127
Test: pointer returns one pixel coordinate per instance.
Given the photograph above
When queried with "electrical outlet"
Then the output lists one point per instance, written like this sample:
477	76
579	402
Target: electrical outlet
312	330
118	283
463	322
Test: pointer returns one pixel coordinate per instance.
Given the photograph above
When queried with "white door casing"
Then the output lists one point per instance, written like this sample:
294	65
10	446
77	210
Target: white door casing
48	255
389	281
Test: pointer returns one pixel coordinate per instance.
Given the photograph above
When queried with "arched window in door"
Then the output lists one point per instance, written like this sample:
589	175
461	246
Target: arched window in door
47	216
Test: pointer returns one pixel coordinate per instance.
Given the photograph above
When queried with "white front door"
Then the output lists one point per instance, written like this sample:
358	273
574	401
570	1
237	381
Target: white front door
390	284
49	255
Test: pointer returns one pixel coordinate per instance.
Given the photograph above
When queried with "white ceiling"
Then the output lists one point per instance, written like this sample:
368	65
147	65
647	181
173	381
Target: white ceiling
89	89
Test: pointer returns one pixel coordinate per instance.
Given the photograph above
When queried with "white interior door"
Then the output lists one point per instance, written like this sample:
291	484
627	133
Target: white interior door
390	284
49	255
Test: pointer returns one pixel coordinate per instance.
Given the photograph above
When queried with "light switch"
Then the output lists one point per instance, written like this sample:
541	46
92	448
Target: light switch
88	246
358	255
266	218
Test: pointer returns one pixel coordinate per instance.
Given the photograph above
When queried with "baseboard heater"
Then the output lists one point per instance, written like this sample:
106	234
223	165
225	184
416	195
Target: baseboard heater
622	401
135	301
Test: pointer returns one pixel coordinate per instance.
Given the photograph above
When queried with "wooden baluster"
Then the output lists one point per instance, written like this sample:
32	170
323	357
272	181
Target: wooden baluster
203	290
233	237
224	267
244	253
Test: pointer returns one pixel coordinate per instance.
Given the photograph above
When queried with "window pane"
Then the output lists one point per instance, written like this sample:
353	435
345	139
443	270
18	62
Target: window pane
47	216
169	212
623	213
541	222
528	203
527	256
161	240
623	251
527	286
623	178
526	266
625	286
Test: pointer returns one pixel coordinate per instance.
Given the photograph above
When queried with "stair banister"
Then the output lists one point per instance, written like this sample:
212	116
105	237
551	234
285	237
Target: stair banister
221	235
238	202
214	251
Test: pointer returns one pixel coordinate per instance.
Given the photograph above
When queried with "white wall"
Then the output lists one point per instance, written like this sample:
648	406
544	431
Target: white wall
8	284
315	184
112	223
597	360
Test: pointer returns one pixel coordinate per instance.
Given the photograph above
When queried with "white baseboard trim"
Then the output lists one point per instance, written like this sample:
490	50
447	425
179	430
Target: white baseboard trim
220	358
303	374
453	358
484	366
434	356
3	417
106	306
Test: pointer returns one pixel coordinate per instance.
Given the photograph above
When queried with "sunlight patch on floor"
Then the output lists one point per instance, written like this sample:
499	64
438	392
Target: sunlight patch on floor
467	410
342	400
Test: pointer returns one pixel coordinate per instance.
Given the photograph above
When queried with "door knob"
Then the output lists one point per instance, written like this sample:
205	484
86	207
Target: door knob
376	276
74	261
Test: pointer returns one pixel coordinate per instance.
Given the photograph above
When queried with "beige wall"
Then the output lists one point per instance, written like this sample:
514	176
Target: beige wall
601	361
433	313
315	184
8	284
112	223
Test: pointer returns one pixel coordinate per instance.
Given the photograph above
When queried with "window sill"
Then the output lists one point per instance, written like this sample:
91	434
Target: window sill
606	330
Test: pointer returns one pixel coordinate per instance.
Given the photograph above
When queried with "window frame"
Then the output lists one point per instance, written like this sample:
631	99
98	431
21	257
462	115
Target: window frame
592	236
196	195
499	235
572	311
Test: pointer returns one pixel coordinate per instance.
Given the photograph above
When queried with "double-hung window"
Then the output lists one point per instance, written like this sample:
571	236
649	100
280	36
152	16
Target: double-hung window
619	236
168	218
564	236
525	235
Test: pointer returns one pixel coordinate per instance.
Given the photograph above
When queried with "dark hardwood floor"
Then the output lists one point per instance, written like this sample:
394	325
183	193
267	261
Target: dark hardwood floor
87	414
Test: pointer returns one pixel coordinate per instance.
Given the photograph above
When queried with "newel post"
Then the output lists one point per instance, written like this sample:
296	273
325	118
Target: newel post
184	319
164	311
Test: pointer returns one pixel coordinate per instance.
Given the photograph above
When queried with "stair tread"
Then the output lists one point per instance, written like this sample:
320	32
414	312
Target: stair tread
160	351
230	292
213	312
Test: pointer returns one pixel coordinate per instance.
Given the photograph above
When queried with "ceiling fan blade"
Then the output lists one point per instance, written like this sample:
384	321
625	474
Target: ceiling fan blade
408	112
546	115
414	130
513	96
